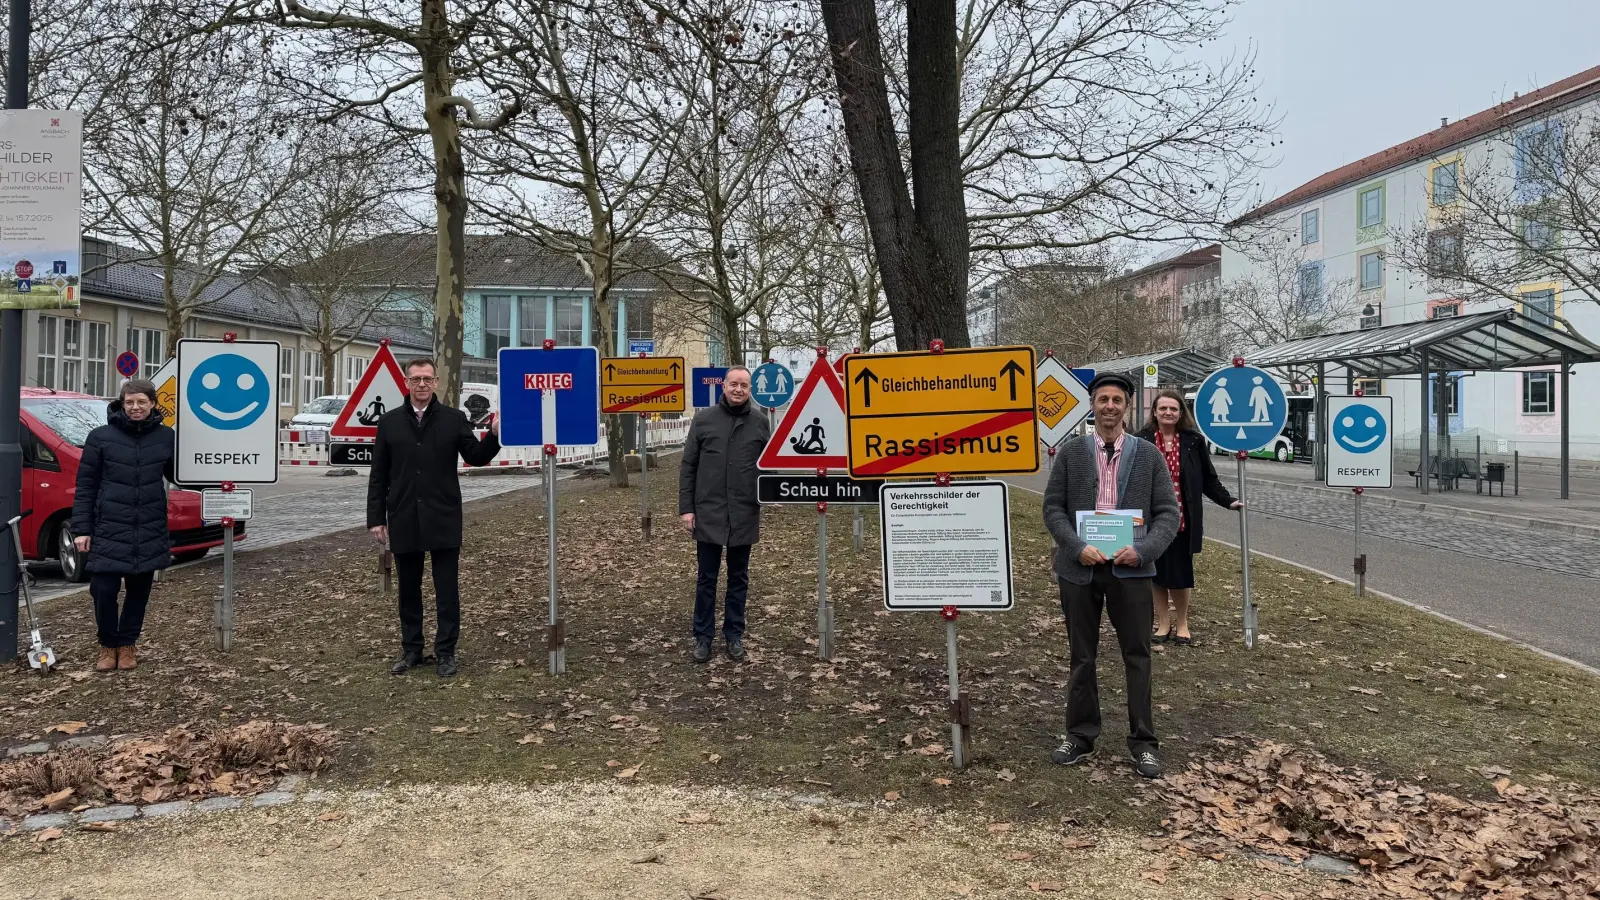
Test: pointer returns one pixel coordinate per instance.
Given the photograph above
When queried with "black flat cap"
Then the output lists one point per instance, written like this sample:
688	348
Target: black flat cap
1114	378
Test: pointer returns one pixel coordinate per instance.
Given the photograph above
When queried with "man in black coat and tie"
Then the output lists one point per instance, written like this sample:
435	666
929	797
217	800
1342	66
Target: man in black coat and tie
414	506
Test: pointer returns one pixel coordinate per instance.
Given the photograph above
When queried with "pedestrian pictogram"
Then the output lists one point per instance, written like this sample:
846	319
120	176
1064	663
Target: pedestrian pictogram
382	387
549	396
771	385
1240	408
964	411
813	431
1063	401
642	384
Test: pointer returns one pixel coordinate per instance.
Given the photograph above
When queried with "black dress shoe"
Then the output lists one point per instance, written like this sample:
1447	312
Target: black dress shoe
735	648
447	665
406	663
702	650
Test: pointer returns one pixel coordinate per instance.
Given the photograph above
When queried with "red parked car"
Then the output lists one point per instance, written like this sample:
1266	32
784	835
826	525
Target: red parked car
54	426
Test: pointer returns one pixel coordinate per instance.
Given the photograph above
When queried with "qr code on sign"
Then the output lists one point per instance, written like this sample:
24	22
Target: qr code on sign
994	596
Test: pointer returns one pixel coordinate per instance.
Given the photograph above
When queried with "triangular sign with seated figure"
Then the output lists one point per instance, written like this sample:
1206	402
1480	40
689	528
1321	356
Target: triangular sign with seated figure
812	434
382	387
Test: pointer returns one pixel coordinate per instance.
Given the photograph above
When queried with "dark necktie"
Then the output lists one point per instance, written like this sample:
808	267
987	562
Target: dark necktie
1111	450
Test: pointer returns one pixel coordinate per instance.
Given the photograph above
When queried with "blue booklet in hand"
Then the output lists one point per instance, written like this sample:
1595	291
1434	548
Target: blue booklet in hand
1111	530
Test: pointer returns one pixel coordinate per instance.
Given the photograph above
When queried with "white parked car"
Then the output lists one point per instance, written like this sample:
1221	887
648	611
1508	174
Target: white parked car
320	413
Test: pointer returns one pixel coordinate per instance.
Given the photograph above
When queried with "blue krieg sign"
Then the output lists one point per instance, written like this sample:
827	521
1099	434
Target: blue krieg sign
706	384
772	385
1240	408
549	396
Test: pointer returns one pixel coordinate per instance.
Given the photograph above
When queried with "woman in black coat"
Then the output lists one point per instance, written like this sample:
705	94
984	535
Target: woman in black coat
1173	430
119	515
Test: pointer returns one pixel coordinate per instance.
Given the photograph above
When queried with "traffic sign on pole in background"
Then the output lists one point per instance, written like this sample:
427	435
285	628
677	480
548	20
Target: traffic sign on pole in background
550	396
1063	401
705	383
641	384
166	382
1152	375
382	387
771	384
812	433
1240	408
227	417
637	346
966	411
1361	452
127	364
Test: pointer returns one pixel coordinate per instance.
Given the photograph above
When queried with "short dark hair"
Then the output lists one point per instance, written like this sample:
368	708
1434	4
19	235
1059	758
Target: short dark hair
420	361
732	369
138	386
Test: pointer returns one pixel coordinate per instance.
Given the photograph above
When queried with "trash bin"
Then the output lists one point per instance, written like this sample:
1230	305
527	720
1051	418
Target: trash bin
1495	473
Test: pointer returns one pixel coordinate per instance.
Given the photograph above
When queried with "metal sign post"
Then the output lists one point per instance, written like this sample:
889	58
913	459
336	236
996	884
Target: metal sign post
644	474
959	708
555	635
1244	553
824	608
1361	558
856	526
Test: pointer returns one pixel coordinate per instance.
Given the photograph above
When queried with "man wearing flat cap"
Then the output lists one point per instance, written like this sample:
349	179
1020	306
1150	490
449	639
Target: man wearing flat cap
1104	471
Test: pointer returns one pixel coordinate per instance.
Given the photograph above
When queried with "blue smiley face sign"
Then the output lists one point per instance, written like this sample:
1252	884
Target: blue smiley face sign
1360	428
228	392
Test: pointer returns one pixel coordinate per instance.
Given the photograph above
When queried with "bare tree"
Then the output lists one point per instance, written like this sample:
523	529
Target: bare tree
1525	210
1282	297
386	62
1054	125
1077	306
333	275
192	162
581	173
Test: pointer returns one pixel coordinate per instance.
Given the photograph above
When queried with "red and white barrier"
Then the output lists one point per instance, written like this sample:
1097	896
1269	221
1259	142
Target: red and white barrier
294	450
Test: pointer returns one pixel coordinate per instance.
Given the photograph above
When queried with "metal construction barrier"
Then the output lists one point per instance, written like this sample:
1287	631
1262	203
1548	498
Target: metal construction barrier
309	447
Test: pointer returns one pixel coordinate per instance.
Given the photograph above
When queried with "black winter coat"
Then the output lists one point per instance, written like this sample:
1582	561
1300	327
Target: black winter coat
717	477
414	488
1198	478
121	499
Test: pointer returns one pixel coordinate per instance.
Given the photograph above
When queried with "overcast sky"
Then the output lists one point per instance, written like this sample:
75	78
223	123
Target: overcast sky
1352	77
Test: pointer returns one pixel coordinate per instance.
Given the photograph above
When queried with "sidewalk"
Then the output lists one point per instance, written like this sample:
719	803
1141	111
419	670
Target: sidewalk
1538	505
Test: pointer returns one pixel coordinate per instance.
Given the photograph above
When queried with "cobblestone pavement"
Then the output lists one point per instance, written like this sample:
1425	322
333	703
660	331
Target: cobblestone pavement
1535	549
288	518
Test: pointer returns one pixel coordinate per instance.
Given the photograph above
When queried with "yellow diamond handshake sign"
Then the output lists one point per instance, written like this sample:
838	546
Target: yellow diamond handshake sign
964	412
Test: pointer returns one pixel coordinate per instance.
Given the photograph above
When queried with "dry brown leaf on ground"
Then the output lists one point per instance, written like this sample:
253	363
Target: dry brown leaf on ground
67	727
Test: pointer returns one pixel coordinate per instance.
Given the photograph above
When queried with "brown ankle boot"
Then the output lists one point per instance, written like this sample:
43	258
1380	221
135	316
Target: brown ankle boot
126	658
107	661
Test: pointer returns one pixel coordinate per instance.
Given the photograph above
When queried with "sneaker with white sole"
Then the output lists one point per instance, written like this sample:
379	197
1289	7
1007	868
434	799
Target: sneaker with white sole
1070	753
1146	764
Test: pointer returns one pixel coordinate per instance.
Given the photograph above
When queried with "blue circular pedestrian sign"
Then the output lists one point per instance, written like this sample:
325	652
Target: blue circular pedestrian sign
772	385
1240	408
127	363
1360	428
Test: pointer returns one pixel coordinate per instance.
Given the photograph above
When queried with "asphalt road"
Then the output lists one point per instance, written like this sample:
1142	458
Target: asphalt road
1536	588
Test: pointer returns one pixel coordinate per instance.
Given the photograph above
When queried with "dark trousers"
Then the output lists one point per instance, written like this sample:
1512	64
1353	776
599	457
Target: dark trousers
705	591
1127	603
447	597
120	630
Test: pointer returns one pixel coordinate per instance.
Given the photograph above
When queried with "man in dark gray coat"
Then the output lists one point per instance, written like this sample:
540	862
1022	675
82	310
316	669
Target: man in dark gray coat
1106	470
717	502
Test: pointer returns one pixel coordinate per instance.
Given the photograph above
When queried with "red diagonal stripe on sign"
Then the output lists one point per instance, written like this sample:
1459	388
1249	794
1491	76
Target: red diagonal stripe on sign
977	429
662	392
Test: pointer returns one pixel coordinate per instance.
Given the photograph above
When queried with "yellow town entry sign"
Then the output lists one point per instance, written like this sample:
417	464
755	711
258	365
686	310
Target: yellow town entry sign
965	412
642	384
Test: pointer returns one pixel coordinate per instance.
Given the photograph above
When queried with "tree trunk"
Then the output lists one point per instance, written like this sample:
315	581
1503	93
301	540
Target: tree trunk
604	320
330	365
921	248
172	305
450	201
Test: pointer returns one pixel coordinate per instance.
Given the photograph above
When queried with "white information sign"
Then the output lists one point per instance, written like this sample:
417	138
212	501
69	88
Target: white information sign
1361	442
1152	375
216	505
42	193
946	546
227	418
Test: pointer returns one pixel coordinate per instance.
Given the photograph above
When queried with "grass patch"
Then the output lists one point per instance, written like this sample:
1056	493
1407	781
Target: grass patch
1363	681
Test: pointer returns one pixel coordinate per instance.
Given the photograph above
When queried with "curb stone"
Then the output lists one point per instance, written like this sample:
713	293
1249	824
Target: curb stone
272	798
34	749
1483	517
218	804
47	820
170	808
119	813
